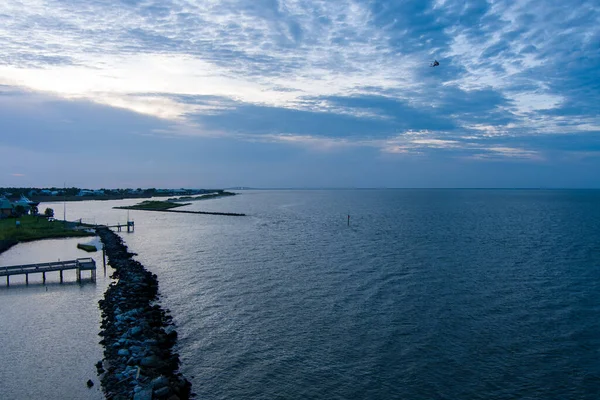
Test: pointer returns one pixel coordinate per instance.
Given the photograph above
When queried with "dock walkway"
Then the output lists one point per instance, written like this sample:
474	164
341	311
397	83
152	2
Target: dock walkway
80	264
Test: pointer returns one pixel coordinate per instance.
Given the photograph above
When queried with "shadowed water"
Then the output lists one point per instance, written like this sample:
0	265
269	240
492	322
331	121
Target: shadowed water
446	294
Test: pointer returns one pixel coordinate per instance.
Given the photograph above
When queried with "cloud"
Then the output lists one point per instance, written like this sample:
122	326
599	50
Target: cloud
316	74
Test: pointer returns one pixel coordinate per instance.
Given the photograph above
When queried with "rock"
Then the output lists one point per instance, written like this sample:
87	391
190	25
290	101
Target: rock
159	382
90	383
143	394
123	352
169	329
136	330
150	361
99	367
135	349
163	392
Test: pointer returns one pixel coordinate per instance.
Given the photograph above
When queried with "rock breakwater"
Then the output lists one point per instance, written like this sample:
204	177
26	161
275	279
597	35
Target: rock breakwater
137	334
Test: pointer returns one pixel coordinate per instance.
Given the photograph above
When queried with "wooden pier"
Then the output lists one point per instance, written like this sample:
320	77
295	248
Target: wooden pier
80	264
130	225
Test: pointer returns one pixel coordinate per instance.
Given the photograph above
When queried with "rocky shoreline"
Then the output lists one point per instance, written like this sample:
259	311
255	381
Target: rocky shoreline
137	334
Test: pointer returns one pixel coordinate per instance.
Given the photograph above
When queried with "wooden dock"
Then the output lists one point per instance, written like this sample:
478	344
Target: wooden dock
130	225
80	264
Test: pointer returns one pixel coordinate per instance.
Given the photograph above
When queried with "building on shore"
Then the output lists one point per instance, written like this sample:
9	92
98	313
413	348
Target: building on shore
6	207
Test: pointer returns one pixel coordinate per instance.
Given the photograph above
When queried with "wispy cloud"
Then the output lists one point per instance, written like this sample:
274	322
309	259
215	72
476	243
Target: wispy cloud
319	74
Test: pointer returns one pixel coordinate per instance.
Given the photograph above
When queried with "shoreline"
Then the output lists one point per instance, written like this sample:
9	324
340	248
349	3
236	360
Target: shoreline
138	336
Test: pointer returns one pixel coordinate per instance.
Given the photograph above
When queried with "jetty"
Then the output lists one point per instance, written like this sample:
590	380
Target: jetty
80	264
195	212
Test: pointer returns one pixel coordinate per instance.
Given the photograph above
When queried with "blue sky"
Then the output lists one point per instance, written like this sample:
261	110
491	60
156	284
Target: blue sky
289	93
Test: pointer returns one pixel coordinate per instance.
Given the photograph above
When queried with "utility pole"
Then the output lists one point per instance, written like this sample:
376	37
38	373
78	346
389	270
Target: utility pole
65	204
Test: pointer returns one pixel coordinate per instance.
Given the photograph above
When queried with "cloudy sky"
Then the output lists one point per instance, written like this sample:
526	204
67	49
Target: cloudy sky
300	93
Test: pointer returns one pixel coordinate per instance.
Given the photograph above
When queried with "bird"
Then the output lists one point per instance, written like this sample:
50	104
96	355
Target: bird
435	63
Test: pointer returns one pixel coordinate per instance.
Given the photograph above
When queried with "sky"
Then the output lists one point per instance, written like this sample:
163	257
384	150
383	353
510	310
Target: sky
291	93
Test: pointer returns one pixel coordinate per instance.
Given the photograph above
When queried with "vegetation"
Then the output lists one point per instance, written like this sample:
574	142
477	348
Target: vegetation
34	228
87	247
49	213
19	210
73	193
153	205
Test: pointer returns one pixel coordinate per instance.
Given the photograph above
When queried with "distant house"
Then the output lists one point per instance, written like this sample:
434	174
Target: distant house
27	204
86	192
6	208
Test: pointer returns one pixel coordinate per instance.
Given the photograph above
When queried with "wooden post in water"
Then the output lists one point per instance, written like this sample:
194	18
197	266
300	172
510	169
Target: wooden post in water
61	276
27	279
7	281
44	277
348	219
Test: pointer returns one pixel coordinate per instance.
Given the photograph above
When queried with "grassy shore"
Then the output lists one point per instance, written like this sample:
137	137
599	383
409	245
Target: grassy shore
153	205
35	228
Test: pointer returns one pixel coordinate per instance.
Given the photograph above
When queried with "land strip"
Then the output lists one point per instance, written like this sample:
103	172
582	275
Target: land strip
203	197
167	206
153	205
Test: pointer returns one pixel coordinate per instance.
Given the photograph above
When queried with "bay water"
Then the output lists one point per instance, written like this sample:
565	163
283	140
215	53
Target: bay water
445	294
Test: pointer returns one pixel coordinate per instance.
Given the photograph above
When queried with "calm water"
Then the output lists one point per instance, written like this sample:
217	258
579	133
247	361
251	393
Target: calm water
445	294
49	333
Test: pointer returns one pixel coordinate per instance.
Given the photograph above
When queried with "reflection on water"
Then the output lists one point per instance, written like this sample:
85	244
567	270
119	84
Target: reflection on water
49	333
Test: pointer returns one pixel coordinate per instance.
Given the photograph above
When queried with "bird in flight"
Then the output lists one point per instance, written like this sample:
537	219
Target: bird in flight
435	63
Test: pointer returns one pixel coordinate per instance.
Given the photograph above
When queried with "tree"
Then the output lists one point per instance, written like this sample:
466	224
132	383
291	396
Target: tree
19	210
49	213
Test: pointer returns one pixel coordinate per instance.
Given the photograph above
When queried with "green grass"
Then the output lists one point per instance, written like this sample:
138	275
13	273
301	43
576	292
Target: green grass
87	247
153	205
34	228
